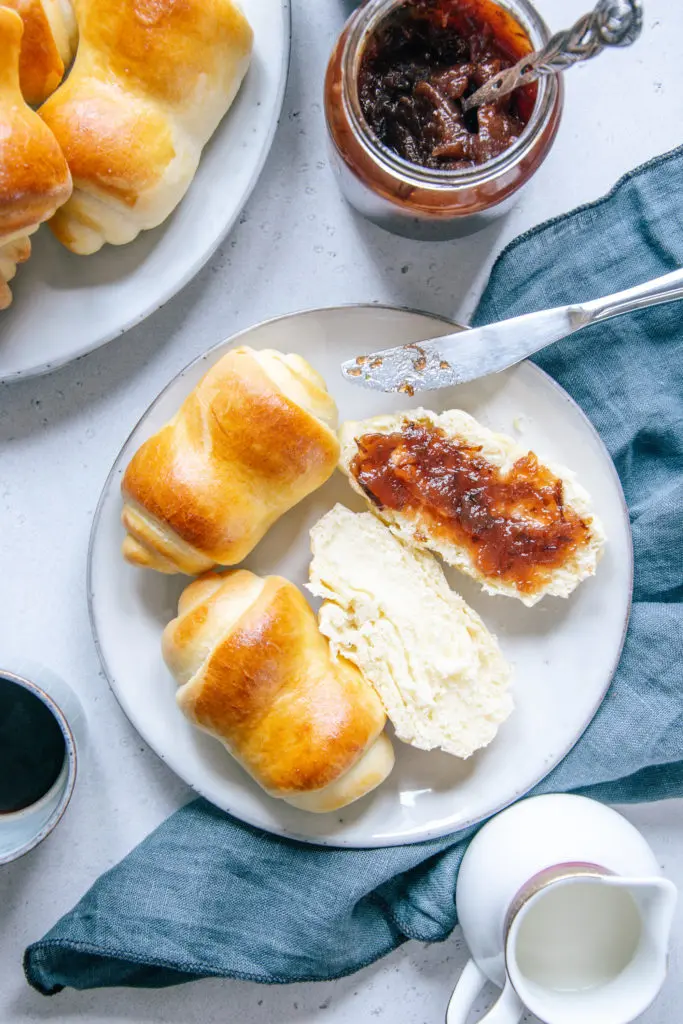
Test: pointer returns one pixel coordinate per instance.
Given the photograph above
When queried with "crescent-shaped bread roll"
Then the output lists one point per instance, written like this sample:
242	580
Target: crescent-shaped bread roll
48	45
34	177
256	672
254	437
151	81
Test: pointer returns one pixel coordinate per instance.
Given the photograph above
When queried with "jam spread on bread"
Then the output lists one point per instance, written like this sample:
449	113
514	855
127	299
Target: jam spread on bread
514	523
422	60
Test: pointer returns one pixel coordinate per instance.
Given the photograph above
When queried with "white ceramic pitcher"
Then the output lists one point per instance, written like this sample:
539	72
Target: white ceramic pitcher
563	906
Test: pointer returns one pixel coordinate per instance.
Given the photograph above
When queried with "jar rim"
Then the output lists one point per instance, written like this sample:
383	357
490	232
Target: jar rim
360	27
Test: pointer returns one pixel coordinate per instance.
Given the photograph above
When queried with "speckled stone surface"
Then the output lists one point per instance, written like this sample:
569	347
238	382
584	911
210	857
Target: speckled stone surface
296	245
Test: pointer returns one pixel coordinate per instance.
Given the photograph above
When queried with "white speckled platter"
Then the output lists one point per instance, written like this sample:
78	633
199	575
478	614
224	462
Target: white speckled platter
564	652
66	305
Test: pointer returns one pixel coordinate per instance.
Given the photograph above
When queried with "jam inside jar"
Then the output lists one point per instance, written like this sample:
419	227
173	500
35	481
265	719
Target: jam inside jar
369	93
418	65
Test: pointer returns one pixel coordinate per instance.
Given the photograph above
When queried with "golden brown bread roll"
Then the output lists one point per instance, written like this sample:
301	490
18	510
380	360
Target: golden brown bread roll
250	441
34	177
48	45
256	672
150	83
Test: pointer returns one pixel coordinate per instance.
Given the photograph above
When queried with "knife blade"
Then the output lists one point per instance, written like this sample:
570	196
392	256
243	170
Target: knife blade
458	358
469	354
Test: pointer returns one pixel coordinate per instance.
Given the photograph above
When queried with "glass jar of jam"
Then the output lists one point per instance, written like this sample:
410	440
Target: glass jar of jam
407	157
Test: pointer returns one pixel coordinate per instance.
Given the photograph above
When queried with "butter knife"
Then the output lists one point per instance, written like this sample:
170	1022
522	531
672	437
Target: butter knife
467	355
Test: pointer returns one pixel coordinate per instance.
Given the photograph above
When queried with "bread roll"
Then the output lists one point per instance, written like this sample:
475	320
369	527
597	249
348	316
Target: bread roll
389	610
254	437
48	46
151	81
256	673
34	177
488	506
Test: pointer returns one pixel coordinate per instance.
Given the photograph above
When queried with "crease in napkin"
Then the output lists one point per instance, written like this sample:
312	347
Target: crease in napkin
205	895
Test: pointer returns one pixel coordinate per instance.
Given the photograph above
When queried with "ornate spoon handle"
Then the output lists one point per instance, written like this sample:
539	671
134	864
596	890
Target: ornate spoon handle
612	23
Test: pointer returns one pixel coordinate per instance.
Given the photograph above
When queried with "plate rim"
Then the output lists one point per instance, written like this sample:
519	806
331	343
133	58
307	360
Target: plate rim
334	841
43	369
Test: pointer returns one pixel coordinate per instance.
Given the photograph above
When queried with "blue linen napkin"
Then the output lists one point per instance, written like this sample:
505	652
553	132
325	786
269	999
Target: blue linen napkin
205	895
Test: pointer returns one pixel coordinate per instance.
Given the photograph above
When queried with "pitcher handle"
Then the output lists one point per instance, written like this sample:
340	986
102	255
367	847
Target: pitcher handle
507	1010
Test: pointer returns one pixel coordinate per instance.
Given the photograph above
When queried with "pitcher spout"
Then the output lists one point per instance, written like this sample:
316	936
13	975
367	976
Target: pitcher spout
655	899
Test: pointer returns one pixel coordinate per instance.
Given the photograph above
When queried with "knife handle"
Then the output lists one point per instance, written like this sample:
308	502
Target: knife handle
667	288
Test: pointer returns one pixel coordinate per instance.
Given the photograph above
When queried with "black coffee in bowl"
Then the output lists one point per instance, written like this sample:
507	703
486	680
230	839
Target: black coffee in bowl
32	747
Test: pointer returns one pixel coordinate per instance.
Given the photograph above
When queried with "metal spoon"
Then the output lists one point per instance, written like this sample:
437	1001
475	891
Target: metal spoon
612	23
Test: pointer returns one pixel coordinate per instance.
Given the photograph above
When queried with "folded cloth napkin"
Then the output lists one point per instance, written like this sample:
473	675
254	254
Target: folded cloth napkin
205	895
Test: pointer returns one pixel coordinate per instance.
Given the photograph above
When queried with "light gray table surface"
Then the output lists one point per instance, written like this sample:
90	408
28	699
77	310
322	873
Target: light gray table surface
297	245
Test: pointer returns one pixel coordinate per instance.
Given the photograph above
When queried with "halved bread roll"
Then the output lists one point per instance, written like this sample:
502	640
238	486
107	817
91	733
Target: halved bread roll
486	505
256	673
254	437
388	609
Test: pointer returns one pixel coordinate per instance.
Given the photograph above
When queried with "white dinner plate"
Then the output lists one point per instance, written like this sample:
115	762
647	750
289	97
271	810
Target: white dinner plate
564	652
66	305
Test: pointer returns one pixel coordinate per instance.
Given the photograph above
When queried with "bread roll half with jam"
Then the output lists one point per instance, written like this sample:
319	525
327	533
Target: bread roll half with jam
488	506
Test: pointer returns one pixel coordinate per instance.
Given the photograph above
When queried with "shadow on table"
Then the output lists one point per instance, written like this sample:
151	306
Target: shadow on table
32	405
438	277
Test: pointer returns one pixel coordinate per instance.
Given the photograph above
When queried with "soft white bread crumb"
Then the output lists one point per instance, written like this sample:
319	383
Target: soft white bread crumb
389	610
502	452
